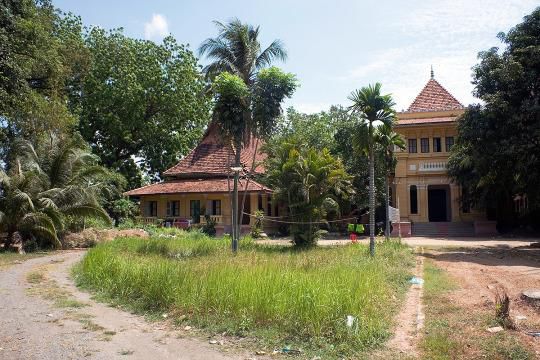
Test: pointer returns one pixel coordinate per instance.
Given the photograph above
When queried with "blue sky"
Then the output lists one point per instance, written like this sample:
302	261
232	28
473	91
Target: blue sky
336	46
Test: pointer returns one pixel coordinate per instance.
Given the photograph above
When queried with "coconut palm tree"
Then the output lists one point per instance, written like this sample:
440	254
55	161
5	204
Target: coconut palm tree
373	109
43	186
237	50
388	139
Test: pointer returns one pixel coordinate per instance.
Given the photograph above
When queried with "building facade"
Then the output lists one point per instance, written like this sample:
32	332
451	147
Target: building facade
201	184
429	202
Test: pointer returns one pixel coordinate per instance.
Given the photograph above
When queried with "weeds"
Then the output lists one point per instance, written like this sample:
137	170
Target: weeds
281	294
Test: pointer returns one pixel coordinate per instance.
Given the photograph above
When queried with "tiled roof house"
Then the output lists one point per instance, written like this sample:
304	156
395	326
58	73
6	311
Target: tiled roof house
201	184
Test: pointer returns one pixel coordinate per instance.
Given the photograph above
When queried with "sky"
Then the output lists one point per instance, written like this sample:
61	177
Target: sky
335	47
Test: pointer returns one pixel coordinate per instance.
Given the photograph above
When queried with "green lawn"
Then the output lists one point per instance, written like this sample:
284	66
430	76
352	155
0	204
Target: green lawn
278	295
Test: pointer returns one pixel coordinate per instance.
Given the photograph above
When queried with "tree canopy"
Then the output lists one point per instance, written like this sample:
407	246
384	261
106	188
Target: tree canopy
141	105
497	151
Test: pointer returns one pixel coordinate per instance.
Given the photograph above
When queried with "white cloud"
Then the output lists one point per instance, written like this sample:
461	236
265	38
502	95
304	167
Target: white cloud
157	28
447	35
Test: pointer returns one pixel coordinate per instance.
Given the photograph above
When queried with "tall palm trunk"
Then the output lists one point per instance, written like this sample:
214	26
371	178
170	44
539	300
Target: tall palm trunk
371	200
387	206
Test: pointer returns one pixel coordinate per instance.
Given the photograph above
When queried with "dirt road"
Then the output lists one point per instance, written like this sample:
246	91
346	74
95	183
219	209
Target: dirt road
34	328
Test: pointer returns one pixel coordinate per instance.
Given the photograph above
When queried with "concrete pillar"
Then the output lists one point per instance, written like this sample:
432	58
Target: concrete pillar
402	192
254	203
423	202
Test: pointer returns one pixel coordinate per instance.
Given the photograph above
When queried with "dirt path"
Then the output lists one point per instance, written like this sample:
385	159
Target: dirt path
410	319
481	272
34	328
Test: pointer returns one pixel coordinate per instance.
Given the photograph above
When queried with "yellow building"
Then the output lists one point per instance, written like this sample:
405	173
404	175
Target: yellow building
201	184
429	202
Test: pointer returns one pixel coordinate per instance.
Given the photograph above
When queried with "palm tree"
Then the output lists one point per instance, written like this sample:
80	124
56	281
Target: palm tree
388	139
237	50
311	182
372	108
43	186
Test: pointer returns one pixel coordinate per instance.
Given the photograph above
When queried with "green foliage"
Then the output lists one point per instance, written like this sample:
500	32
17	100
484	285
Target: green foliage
278	295
257	227
271	87
209	227
496	154
140	99
45	185
123	210
42	58
237	50
310	181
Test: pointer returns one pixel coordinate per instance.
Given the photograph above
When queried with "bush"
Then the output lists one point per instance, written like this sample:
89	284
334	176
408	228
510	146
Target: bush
209	228
257	227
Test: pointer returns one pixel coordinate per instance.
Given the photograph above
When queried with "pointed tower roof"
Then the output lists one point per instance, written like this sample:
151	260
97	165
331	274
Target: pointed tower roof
213	158
434	97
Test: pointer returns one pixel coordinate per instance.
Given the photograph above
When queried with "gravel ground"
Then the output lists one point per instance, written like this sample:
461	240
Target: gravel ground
33	328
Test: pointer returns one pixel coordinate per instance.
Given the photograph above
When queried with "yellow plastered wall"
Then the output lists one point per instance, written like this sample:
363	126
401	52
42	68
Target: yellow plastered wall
408	171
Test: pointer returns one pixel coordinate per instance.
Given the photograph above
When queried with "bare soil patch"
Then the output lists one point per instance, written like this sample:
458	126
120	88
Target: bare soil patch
480	273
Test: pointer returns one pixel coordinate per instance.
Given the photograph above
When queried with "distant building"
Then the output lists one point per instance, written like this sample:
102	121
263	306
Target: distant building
429	202
201	184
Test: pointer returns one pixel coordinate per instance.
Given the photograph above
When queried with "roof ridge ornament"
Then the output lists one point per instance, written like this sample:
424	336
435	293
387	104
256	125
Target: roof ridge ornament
432	73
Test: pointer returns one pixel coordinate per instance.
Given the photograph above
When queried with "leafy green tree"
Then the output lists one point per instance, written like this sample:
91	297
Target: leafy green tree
141	105
311	181
317	130
42	57
372	108
45	185
497	150
123	209
250	110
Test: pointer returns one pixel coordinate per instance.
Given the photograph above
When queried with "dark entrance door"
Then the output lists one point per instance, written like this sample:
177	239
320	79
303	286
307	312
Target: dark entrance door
437	204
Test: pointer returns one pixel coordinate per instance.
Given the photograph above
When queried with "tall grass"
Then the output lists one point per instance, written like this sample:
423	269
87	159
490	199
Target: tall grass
300	296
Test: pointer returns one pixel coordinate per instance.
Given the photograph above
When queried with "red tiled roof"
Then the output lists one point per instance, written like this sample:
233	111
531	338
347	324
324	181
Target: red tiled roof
213	157
185	186
425	121
434	97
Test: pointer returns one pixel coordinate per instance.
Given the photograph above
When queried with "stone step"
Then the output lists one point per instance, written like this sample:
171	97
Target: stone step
443	229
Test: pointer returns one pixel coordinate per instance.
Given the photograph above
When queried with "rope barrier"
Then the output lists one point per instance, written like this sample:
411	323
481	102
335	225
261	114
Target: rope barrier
299	222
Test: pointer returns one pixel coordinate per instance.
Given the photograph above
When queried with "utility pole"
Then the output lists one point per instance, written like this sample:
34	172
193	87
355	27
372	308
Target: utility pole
235	215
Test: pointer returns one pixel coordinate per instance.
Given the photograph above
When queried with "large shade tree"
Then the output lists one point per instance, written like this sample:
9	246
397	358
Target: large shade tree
42	57
497	150
142	104
373	109
247	90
